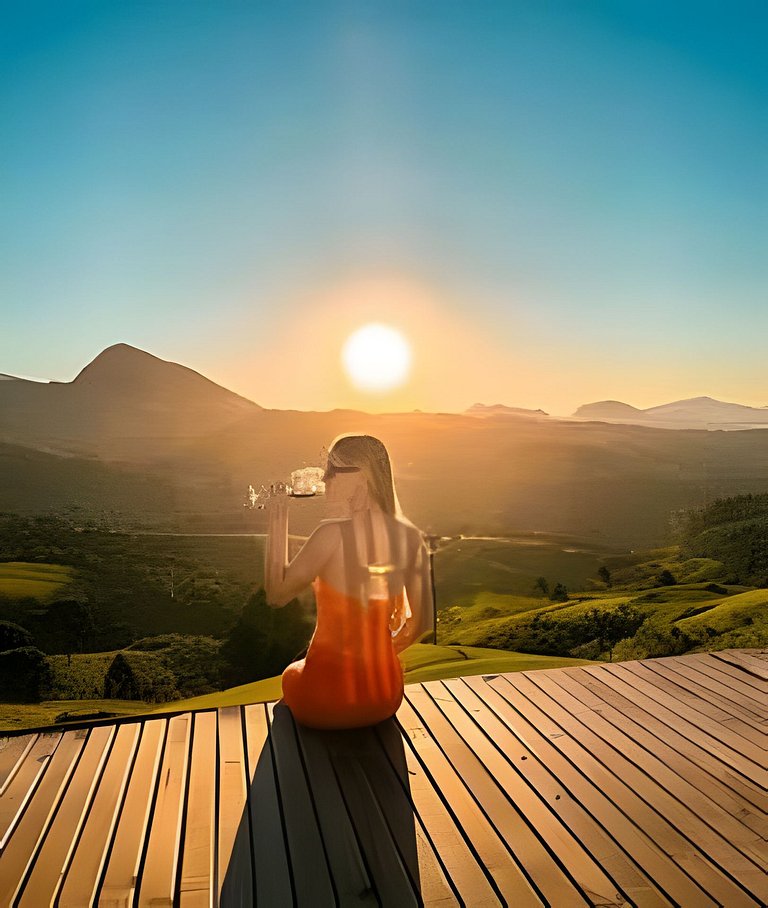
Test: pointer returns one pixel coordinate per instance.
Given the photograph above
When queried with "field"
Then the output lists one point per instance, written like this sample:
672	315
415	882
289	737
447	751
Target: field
468	568
34	715
82	677
22	579
493	612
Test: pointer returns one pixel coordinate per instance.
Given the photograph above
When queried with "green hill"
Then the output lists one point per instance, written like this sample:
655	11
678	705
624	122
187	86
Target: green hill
733	531
22	579
421	662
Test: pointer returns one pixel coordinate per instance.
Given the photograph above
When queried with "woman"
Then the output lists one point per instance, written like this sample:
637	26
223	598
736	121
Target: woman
369	568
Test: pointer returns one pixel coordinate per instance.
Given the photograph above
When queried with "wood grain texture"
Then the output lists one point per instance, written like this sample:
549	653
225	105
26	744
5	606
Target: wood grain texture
638	783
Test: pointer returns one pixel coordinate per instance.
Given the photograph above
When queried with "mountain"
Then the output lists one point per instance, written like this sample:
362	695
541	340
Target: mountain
485	410
609	409
160	445
125	400
692	413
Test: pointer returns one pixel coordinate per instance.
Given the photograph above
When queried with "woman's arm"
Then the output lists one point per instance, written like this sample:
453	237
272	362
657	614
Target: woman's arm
284	580
418	588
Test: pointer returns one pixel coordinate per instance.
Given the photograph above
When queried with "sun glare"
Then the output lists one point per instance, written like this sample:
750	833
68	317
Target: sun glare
376	358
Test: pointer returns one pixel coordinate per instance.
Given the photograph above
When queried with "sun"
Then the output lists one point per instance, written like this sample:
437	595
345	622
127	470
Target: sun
376	357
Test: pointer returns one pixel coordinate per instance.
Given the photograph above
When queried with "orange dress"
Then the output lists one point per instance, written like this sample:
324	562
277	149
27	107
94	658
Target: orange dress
351	675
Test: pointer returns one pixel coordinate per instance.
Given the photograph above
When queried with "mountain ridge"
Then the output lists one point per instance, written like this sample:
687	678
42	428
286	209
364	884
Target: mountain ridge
124	393
701	412
196	448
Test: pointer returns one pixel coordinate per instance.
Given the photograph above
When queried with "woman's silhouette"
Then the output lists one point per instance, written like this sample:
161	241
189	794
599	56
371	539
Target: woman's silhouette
369	568
329	817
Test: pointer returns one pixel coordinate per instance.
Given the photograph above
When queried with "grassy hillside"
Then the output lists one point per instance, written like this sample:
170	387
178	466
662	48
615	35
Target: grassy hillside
739	621
468	568
494	615
703	613
21	579
38	482
421	662
16	716
137	584
735	532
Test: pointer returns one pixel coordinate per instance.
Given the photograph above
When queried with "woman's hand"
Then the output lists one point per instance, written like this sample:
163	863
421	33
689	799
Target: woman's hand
277	500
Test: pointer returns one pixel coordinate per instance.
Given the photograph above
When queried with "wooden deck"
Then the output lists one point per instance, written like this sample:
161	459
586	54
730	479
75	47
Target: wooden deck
639	783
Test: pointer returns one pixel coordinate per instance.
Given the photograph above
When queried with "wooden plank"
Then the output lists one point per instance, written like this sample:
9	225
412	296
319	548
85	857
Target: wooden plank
718	692
431	875
746	835
592	785
354	883
552	859
466	874
196	884
235	870
271	865
488	843
118	886
12	753
22	785
21	847
695	712
697	727
660	881
672	689
312	879
630	789
727	675
754	667
90	855
529	767
746	682
624	698
381	815
692	813
52	860
157	876
460	743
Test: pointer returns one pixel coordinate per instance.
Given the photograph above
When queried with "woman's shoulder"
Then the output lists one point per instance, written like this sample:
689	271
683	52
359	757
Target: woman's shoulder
410	528
333	521
412	532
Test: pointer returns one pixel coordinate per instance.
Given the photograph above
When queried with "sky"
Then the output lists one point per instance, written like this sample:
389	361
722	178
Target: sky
554	202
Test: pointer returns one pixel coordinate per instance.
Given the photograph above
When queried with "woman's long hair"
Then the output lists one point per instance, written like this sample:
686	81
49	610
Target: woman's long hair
370	456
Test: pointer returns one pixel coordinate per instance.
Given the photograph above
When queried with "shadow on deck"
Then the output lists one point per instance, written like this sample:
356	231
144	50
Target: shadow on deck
639	783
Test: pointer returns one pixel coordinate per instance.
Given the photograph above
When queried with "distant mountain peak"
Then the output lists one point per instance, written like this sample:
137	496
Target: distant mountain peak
125	370
607	408
701	412
479	409
120	357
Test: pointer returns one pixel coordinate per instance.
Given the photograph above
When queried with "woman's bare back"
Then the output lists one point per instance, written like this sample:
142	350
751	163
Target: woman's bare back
371	537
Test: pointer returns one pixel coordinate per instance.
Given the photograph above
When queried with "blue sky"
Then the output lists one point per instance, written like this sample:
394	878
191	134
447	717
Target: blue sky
574	195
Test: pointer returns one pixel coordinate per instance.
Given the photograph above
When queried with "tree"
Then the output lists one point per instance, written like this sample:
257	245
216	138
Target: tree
73	624
25	675
263	641
608	626
559	593
541	583
666	578
13	636
193	660
604	574
139	676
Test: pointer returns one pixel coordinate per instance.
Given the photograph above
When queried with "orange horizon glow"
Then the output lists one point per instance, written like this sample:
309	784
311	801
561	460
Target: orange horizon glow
456	360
